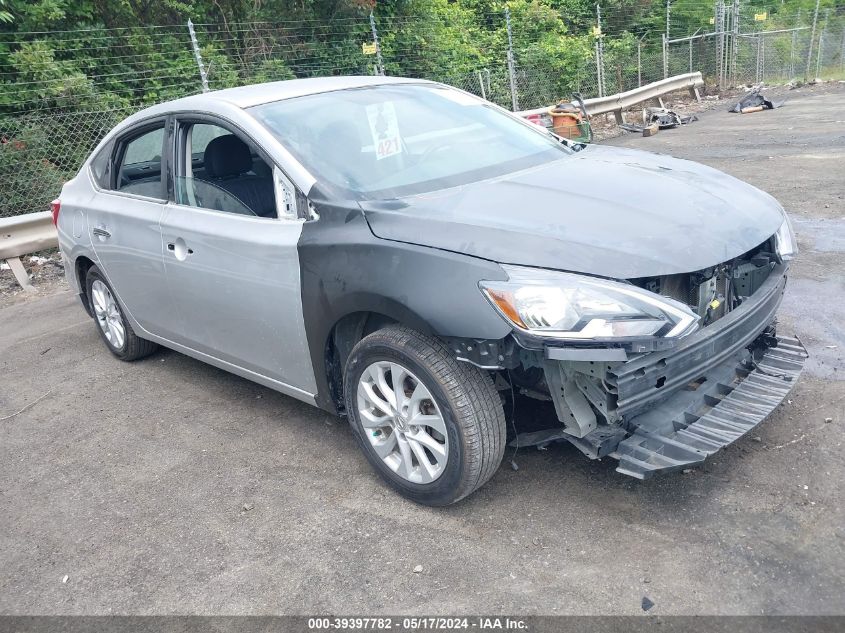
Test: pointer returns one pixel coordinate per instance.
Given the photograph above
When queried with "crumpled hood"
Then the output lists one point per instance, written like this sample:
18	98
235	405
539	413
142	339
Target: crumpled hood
605	211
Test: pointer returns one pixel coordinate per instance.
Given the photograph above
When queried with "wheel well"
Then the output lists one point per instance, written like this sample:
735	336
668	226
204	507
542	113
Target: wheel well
342	338
82	265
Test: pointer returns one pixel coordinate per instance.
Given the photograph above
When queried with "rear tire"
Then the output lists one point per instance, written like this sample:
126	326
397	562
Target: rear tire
111	321
456	397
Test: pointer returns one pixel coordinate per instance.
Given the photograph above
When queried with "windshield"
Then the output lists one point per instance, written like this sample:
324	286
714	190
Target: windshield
393	140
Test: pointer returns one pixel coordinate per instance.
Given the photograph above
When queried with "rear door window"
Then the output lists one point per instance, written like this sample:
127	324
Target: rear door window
139	164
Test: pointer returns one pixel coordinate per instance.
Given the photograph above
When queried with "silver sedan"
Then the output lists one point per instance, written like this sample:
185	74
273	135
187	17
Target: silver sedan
422	261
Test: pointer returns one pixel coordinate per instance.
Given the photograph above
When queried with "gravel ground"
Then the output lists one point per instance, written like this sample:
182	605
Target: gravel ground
168	486
46	272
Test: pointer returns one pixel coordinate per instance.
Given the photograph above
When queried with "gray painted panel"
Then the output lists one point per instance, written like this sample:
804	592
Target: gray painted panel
131	257
238	294
603	211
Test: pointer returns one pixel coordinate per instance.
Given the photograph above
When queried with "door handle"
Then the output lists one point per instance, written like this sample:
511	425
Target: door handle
101	232
180	249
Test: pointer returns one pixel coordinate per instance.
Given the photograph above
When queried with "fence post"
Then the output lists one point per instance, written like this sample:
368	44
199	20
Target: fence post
639	63
842	53
735	38
511	68
821	43
481	85
379	60
690	55
812	39
600	53
792	55
759	51
197	56
718	30
668	12
665	57
598	70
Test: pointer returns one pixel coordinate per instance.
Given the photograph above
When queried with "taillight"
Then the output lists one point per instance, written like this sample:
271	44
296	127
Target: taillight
55	207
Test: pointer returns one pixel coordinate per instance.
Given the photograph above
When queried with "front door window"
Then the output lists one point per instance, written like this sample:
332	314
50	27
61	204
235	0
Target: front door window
223	172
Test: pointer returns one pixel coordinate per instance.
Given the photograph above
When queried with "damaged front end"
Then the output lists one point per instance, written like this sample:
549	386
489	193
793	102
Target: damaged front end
659	403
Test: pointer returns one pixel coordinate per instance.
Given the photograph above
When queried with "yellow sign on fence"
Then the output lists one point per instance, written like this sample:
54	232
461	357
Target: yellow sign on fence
760	17
597	31
368	48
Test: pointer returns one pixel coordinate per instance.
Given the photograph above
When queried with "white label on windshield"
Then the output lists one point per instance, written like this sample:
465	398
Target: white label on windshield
385	129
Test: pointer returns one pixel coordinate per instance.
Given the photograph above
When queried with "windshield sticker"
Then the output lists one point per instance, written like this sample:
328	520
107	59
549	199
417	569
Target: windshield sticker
385	129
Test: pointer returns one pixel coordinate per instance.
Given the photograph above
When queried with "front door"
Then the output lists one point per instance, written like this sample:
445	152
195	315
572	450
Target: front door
232	264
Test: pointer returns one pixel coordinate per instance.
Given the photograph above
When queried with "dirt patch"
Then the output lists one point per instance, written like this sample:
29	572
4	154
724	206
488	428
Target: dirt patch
46	272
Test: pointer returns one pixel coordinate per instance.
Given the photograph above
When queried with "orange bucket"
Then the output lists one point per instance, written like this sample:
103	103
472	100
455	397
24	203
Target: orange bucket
566	124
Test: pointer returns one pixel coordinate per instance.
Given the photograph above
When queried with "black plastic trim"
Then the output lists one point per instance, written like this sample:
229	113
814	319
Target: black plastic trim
643	381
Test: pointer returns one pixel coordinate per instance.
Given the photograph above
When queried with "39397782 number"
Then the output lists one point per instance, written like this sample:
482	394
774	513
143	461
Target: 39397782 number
350	624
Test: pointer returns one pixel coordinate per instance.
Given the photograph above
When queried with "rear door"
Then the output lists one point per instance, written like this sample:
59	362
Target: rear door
234	274
123	220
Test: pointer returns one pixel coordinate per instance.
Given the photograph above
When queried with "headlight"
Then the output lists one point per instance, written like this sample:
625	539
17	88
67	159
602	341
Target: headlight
568	306
785	242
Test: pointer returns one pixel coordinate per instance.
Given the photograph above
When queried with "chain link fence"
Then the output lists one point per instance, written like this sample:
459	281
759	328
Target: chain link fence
60	92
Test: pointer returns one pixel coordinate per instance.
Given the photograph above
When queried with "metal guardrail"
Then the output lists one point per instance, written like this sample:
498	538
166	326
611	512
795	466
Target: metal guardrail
23	234
618	102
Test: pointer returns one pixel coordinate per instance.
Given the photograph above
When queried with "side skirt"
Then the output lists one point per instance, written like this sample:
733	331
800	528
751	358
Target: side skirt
270	383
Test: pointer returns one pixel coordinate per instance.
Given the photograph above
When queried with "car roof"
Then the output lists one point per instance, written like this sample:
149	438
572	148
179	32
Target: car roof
256	94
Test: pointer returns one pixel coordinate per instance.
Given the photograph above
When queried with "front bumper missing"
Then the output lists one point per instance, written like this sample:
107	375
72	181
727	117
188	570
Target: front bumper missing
670	410
741	398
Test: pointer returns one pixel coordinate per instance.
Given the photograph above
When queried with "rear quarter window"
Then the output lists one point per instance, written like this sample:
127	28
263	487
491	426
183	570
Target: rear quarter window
138	162
101	166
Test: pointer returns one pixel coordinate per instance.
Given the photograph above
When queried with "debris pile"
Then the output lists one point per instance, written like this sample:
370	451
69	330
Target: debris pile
754	101
655	119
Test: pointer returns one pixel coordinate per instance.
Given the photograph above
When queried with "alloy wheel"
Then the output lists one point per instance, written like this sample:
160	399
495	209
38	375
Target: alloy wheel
402	422
108	314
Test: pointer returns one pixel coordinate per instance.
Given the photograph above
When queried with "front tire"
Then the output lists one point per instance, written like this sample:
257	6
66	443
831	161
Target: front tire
433	427
112	324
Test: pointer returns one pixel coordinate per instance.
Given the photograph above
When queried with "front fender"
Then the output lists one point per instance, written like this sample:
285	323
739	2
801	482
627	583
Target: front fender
346	269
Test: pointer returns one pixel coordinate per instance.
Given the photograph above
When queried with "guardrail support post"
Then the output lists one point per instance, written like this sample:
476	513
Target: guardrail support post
20	274
22	234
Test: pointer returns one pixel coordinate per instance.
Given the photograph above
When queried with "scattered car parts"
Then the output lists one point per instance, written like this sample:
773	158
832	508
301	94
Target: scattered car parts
754	101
